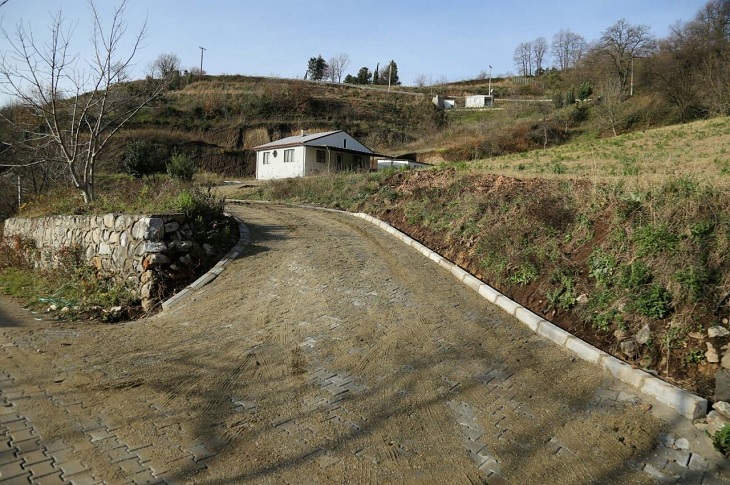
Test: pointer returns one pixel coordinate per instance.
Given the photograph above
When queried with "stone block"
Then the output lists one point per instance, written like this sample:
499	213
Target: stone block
584	350
624	372
506	304
553	332
722	385
685	403
489	293
529	318
154	246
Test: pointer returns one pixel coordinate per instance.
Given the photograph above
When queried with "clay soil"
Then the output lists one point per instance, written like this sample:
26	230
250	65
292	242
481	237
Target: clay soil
328	353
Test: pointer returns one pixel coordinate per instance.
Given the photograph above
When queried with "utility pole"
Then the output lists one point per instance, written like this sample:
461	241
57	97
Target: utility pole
490	81
200	76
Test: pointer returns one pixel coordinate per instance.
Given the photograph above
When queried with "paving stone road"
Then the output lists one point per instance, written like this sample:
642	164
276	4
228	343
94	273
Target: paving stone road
326	353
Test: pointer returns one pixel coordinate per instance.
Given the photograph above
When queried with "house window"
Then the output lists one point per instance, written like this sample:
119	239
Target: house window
266	158
321	155
289	155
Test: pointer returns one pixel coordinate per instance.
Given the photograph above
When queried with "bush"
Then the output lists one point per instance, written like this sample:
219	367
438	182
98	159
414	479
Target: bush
141	159
181	167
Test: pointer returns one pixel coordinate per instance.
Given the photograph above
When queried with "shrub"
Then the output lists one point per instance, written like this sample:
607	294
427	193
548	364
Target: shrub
721	440
654	302
181	167
141	159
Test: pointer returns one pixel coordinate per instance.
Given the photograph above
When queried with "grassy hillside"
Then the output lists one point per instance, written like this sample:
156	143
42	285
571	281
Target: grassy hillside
631	256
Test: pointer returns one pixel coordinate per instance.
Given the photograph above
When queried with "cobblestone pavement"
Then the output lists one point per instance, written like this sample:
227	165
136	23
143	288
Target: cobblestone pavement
326	354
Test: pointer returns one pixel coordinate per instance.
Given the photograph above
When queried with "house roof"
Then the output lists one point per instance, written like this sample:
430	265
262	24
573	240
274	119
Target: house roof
295	140
308	140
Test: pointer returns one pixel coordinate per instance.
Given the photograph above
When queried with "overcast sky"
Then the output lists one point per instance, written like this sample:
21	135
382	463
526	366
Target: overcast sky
453	40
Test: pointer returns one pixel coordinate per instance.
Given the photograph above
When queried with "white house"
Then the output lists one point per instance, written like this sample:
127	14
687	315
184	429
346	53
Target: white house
298	156
479	101
385	163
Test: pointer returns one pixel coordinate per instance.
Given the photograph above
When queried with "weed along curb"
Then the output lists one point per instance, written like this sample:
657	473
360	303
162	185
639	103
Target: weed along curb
244	238
684	402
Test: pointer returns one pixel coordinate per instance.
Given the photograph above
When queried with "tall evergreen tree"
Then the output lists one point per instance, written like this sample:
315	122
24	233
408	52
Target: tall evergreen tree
316	68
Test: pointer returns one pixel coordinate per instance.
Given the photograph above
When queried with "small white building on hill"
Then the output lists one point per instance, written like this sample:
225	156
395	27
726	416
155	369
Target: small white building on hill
299	156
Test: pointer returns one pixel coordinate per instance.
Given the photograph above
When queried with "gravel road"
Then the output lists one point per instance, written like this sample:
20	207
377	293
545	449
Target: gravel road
327	353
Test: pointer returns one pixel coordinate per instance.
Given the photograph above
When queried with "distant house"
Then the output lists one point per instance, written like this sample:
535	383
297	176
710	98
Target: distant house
479	101
299	156
385	163
444	103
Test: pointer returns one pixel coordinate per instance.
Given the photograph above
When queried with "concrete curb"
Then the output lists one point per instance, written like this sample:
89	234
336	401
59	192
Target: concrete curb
244	239
684	402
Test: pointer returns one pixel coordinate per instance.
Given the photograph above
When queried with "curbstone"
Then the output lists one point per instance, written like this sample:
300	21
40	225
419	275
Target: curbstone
688	405
529	318
488	293
585	350
472	282
624	372
506	304
458	272
553	332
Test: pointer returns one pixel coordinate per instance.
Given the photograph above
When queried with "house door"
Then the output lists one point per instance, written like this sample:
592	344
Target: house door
339	162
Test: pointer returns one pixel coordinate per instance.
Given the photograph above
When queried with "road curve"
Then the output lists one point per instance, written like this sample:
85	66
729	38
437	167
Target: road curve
328	353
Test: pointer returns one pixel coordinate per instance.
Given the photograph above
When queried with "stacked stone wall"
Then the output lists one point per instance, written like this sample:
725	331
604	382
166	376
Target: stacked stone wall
148	250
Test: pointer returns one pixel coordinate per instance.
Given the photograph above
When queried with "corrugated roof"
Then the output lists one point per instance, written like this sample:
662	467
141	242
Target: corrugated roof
295	140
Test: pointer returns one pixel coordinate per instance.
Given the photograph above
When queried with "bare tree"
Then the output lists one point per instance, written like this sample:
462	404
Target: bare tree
74	111
337	66
568	48
611	108
421	81
622	42
523	59
539	50
166	66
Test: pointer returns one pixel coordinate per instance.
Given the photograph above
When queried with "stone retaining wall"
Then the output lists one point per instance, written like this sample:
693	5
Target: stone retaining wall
148	250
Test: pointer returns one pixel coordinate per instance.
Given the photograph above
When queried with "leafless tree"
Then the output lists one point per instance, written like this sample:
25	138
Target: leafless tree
74	111
622	43
421	81
337	66
539	50
610	107
568	48
523	58
166	66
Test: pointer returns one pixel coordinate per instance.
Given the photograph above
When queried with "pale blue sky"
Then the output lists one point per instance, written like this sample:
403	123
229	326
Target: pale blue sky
453	40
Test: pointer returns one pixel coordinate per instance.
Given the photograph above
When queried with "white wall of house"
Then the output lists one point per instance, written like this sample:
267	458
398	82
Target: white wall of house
274	167
333	161
479	101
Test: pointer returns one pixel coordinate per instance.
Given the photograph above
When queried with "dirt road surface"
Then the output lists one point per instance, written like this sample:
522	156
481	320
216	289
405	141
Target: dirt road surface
326	353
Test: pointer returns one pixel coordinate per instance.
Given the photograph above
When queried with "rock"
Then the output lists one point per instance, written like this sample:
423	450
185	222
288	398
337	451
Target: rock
171	226
619	334
725	321
722	385
722	407
643	336
209	250
582	299
630	349
154	247
181	246
109	220
725	363
154	260
681	444
696	335
711	355
717	331
715	422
